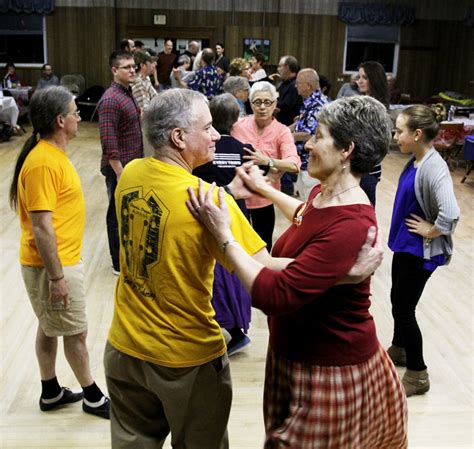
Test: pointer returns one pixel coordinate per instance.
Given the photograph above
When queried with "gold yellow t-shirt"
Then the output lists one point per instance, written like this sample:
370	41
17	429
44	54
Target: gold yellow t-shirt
49	182
163	312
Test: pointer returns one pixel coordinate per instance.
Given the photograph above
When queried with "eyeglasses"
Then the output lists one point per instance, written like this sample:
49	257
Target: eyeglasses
127	67
76	114
266	103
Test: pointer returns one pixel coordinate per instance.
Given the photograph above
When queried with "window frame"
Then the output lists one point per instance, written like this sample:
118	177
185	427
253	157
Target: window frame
396	50
45	49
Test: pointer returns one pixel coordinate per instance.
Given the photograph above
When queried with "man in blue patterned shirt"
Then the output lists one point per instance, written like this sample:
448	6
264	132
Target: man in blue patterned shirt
207	80
307	84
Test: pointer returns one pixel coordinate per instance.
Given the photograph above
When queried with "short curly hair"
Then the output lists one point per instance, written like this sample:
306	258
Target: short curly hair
361	120
237	66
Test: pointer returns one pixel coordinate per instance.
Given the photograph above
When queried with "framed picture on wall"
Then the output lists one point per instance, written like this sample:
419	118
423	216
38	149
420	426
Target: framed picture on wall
252	45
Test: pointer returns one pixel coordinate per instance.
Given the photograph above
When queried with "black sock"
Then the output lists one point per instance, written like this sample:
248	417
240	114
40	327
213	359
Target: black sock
236	334
50	388
93	393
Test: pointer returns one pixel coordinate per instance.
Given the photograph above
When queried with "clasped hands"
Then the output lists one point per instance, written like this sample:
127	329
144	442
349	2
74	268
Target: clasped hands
249	179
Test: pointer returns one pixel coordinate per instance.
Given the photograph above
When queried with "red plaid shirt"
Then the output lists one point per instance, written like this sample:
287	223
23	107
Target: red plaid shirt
119	126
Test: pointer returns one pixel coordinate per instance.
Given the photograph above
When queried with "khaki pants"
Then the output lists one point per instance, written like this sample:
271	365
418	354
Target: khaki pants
149	401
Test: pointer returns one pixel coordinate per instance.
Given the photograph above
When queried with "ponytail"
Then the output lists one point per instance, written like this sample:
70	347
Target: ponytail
45	106
27	147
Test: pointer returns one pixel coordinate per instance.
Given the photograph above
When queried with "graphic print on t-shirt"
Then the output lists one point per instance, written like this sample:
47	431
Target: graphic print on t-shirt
142	223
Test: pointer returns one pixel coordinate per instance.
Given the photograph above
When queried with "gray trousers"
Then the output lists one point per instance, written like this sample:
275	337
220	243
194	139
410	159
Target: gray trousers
149	401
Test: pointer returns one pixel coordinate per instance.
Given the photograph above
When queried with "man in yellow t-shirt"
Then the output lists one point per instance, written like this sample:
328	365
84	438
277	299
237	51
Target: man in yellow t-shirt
46	191
165	362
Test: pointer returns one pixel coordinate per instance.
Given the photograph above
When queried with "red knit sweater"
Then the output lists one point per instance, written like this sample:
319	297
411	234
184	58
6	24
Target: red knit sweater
310	318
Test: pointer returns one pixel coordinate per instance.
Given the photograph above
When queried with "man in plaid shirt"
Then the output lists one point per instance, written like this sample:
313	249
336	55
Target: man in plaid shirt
120	137
142	89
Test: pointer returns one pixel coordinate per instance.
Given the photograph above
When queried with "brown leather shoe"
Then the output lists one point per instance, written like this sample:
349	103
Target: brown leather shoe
416	382
398	355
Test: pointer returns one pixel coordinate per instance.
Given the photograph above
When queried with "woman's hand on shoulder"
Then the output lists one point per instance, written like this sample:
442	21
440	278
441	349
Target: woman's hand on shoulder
215	217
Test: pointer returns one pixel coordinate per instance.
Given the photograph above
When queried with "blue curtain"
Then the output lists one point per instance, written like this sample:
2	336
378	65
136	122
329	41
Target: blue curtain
27	6
376	14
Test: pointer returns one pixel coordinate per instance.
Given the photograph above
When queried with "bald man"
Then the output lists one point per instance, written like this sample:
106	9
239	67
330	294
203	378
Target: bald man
192	51
307	85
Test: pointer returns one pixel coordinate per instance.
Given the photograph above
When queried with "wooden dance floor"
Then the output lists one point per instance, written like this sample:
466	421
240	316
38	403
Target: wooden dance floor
443	418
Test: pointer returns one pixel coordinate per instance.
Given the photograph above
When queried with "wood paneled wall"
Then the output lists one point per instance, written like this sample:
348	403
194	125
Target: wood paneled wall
435	55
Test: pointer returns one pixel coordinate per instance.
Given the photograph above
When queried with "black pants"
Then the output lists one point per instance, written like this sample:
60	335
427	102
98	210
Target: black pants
368	183
408	281
111	217
263	221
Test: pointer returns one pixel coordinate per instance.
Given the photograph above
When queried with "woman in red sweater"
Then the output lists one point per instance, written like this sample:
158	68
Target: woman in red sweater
328	383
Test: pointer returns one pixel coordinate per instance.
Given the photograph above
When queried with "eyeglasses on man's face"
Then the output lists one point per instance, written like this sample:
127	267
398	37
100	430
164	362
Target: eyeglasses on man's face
266	103
76	114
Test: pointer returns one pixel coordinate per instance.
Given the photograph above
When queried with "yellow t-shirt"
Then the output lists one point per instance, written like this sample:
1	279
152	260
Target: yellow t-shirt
163	312
49	182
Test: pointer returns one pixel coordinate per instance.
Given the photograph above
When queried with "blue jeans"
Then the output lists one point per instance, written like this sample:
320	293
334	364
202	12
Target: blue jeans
111	217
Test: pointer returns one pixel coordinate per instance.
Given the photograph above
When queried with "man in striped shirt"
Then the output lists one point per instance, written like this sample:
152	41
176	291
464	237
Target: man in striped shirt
120	137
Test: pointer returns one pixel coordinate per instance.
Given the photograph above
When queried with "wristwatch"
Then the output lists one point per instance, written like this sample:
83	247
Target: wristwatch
271	163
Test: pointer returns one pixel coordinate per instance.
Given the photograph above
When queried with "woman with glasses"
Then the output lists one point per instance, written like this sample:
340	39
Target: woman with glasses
272	147
240	67
328	381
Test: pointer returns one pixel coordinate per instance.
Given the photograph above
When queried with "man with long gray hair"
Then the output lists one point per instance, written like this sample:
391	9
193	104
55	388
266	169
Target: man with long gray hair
165	362
46	191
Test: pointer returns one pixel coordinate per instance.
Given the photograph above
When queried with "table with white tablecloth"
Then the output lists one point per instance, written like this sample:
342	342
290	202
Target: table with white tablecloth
9	111
20	94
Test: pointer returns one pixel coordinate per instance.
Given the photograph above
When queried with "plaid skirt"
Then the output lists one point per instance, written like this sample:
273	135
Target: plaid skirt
354	406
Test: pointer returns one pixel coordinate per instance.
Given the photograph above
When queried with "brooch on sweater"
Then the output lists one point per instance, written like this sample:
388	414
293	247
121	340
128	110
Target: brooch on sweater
298	218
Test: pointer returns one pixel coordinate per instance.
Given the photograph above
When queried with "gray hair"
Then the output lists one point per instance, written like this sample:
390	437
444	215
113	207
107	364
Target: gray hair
45	106
263	86
174	108
183	59
361	120
234	83
224	111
